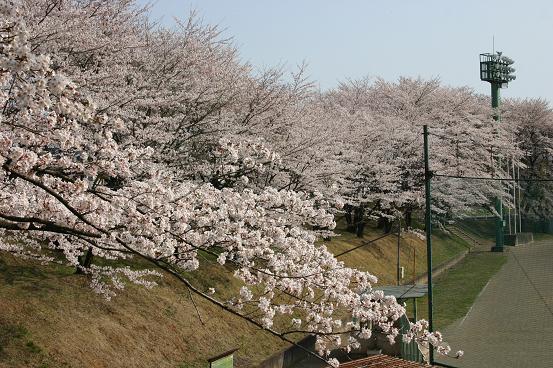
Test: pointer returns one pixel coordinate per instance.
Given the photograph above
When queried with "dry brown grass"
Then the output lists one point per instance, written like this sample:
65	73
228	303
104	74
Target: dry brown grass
380	257
51	318
70	326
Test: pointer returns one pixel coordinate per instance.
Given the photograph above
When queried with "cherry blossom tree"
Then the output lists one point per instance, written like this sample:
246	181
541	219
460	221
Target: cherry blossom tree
533	120
184	90
74	184
385	125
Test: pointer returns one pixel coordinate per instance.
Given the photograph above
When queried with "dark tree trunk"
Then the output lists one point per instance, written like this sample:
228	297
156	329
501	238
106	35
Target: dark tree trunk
349	218
85	261
359	221
408	218
385	224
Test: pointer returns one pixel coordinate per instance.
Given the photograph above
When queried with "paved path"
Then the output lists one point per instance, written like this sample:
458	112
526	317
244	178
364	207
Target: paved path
511	321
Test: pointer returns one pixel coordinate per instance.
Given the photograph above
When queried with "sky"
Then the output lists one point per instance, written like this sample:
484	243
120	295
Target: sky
351	39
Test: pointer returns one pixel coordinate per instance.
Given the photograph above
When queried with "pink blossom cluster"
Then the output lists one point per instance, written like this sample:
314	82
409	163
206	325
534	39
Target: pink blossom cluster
420	334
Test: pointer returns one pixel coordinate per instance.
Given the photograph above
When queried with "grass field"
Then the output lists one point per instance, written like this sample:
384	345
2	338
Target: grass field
51	318
456	290
380	257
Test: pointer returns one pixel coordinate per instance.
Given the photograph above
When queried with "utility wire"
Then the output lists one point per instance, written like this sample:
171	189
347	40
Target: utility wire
363	244
406	291
485	178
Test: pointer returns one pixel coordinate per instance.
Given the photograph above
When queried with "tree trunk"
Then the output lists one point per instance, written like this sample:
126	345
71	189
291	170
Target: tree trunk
359	221
84	261
408	218
385	224
349	218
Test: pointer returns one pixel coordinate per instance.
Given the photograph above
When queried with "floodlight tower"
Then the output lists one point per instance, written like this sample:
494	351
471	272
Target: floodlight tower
496	69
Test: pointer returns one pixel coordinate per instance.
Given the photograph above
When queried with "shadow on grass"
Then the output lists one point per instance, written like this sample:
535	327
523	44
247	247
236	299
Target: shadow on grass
29	276
15	339
8	333
12	273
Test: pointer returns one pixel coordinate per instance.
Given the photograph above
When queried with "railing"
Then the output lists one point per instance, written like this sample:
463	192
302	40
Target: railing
409	351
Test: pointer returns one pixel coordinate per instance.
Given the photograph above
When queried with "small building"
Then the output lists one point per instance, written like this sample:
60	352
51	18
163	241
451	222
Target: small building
223	360
404	293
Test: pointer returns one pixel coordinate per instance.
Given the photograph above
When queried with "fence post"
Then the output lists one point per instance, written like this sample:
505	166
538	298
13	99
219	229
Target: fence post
398	252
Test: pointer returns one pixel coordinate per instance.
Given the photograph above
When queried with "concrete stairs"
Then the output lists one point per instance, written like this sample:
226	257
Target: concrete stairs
474	243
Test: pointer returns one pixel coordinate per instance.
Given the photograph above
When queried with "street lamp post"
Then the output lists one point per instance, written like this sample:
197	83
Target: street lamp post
497	70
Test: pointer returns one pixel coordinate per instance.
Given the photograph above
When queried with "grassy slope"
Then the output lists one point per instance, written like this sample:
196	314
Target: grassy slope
51	318
380	257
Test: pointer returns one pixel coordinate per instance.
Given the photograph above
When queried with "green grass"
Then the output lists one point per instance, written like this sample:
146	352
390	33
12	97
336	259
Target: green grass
10	332
380	257
15	341
51	318
456	290
33	348
446	247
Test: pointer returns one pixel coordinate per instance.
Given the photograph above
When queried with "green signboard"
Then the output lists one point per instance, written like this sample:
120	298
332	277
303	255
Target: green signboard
224	362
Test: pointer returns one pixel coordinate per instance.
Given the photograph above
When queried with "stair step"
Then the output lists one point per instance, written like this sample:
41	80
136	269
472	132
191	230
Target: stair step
463	235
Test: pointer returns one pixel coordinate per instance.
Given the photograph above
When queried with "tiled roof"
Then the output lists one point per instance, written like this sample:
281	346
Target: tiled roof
382	361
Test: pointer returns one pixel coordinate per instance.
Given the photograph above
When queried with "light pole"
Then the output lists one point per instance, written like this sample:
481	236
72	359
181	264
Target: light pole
428	229
497	70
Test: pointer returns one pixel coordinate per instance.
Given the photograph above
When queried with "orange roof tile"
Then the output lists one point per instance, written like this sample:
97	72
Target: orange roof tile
382	361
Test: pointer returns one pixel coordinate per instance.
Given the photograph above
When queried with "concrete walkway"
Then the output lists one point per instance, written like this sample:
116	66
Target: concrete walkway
511	322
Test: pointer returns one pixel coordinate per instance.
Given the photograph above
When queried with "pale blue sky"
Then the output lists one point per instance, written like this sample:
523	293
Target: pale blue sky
386	38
